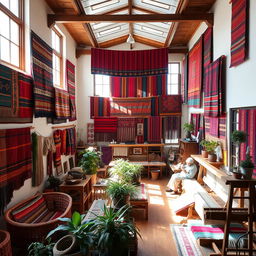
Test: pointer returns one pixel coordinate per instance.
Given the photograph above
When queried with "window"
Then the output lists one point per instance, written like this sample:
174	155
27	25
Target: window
11	33
173	81
57	46
102	85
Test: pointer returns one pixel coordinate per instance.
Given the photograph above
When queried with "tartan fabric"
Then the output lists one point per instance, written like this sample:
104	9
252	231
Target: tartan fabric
71	85
99	107
170	104
105	125
184	80
126	129
62	104
16	162
43	77
195	120
195	75
171	128
239	32
145	86
129	63
123	107
214	97
154	129
247	123
57	141
155	106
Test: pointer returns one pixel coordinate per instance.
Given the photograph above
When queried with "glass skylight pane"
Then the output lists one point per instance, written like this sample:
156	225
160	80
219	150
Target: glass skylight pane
14	32
5	3
101	25
157	4
15	55
109	31
104	4
5	25
5	49
151	30
14	7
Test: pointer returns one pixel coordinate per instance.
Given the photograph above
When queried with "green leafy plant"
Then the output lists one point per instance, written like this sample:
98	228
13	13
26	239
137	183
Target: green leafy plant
53	182
82	231
40	249
187	127
211	146
238	137
90	160
114	231
247	163
203	143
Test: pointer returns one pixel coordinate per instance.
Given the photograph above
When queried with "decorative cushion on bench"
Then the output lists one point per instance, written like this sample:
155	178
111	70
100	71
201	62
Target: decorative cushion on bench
142	193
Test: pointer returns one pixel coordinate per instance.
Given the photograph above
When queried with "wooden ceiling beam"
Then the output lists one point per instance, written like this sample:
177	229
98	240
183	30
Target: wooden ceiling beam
183	50
59	18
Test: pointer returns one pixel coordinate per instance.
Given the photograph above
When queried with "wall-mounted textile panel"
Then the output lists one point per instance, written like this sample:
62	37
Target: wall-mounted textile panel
62	104
154	129
105	129
171	128
170	105
129	63
99	107
126	129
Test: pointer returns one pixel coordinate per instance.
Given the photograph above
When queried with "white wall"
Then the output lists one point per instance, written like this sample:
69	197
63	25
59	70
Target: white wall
37	11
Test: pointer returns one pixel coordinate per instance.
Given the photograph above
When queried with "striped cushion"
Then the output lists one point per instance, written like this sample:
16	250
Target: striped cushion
142	193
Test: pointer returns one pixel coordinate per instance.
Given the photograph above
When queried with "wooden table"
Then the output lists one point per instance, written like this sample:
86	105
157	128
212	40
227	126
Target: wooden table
96	209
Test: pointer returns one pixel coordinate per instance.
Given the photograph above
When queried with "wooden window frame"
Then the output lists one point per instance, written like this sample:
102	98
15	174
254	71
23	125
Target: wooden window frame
94	86
20	21
179	77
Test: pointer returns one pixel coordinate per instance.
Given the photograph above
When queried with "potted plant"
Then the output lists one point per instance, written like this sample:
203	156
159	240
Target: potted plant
79	239
40	249
238	137
246	167
204	153
90	161
5	243
120	192
52	184
210	148
188	128
114	232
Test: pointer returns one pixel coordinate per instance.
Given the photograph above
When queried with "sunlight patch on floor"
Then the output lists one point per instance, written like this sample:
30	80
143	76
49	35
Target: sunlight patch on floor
156	200
154	192
153	186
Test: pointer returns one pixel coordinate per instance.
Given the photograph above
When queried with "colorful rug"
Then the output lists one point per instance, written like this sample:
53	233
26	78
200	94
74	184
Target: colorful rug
171	128
126	129
16	162
99	107
62	104
129	63
184	80
195	75
134	107
105	125
145	86
43	77
170	105
239	32
154	129
71	85
185	241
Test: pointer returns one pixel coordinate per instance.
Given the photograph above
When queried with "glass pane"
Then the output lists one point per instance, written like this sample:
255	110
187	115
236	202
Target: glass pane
14	7
57	64
105	79
5	3
5	49
98	79
174	79
174	89
14	32
57	43
5	25
98	89
57	78
174	68
105	90
53	39
15	55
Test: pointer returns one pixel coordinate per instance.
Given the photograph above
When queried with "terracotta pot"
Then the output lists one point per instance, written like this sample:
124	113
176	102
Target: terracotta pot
204	154
120	202
94	178
5	243
67	245
154	175
212	157
246	172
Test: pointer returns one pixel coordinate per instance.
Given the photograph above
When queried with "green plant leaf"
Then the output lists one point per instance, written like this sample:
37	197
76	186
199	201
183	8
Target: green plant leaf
76	219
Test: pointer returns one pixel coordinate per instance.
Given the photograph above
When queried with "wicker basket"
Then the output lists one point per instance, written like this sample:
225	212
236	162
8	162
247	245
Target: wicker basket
22	234
5	243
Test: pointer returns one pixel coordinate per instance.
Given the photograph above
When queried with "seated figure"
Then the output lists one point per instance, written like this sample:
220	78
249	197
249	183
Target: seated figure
187	171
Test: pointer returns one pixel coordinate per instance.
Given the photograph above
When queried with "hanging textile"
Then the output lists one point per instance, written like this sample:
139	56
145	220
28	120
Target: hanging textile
195	120
126	129
71	141
135	107
214	92
90	133
16	162
184	80
154	129
207	125
155	106
145	129
195	75
102	125
171	128
99	107
43	77
214	127
140	130
48	150
71	85
222	127
239	32
170	104
106	154
145	86
247	121
208	43
129	63
62	104
57	154
63	137
38	168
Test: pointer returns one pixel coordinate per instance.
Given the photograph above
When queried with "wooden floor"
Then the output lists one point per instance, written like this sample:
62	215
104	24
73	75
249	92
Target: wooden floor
156	234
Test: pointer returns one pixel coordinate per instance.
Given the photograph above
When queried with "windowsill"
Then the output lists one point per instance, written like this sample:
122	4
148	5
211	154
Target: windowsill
14	67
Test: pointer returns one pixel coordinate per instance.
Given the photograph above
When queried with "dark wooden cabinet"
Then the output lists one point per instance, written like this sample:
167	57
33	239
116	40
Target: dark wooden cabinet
188	148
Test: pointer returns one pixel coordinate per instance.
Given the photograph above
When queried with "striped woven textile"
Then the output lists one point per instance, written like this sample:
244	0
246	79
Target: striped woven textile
43	77
247	123
239	32
57	141
171	128
170	105
126	129
62	104
155	106
154	129
214	91
214	126
71	85
145	86
16	162
99	107
222	127
134	107
71	141
195	75
195	120
63	137
184	80
207	125
103	125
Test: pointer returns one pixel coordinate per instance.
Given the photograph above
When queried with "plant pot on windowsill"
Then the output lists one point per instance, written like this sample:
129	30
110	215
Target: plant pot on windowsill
204	154
212	157
5	243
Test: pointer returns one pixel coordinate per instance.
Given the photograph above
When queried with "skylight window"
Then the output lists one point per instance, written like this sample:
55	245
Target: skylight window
152	30
156	4
101	25
109	31
104	4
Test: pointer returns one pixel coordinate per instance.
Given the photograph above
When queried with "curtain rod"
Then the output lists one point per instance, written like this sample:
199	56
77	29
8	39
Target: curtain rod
64	126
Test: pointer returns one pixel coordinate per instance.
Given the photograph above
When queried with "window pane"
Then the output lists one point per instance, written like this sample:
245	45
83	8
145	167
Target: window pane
5	3
98	89
5	49
105	79
98	79
5	25
15	55
53	39
174	68
14	32
174	79
57	63
57	43
105	90
14	7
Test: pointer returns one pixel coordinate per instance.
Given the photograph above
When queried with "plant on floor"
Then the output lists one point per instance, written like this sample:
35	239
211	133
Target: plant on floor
188	128
247	166
81	231
90	160
210	148
40	249
120	192
114	231
238	137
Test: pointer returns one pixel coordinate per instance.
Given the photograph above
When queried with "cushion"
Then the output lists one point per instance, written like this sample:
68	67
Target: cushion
142	193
